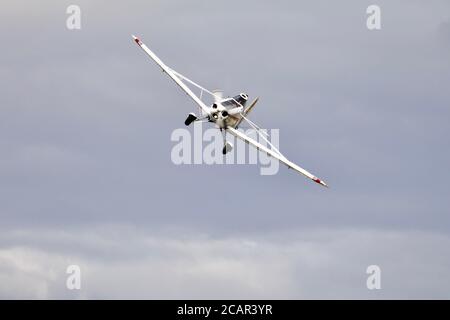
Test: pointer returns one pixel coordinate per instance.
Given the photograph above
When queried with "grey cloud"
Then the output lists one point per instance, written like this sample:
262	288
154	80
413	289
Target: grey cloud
320	263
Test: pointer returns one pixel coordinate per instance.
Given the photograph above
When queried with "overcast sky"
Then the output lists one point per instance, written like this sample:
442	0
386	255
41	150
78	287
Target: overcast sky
86	176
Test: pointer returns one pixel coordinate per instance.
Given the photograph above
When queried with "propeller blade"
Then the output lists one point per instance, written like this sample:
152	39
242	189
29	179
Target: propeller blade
218	95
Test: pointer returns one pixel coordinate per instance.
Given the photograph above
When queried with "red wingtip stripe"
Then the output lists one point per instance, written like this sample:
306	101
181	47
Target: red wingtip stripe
138	41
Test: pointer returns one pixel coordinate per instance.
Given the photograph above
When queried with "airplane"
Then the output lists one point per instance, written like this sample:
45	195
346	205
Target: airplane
226	113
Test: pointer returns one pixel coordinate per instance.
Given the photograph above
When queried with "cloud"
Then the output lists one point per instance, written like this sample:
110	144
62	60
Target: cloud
118	262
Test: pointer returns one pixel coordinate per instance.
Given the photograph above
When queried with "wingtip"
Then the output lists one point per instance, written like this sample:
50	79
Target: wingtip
317	180
136	39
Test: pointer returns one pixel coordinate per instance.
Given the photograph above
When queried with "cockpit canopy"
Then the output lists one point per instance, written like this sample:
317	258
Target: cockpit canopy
235	101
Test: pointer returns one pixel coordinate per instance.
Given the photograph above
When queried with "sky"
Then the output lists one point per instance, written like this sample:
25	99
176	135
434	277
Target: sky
86	176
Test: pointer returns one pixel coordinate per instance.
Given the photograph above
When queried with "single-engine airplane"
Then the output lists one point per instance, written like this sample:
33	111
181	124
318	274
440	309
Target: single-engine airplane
227	114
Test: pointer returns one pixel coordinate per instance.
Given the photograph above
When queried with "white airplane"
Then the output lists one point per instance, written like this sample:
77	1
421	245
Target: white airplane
227	114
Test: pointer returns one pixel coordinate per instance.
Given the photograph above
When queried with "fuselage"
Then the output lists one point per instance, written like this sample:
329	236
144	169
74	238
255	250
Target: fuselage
227	112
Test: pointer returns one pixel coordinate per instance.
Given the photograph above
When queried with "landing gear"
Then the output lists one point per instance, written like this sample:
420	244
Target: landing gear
227	146
190	118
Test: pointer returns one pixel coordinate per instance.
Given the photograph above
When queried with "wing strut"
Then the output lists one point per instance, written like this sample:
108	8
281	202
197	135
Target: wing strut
274	154
172	75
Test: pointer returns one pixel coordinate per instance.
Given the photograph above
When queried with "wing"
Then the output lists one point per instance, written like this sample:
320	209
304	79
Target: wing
171	73
274	154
